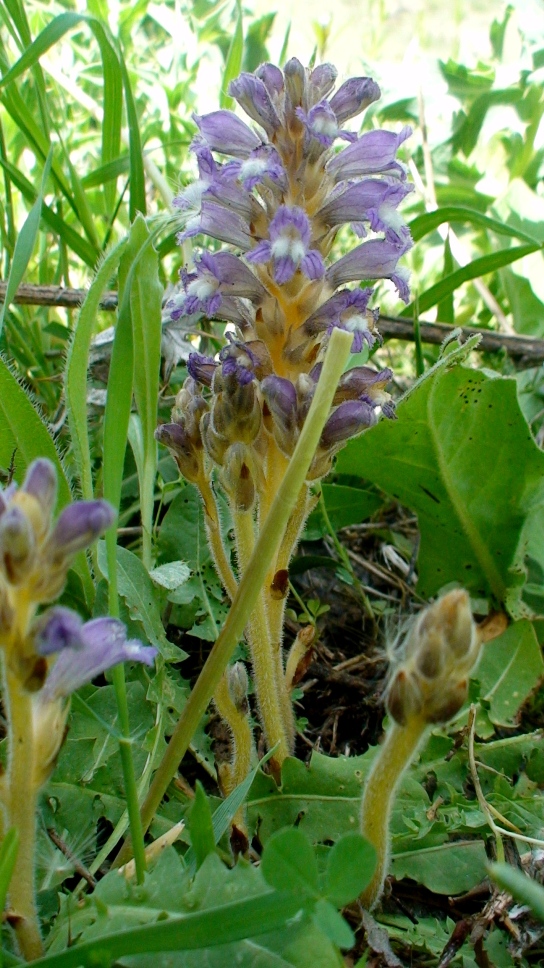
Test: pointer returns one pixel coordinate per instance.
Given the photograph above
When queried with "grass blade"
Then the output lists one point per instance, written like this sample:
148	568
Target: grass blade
75	378
205	929
479	267
25	243
425	224
233	64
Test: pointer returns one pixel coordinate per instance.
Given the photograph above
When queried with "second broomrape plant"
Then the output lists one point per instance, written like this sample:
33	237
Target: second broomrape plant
277	196
44	658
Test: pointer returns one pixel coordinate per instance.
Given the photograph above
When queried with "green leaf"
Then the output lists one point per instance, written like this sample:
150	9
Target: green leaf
233	63
145	306
423	225
521	887
350	866
77	365
345	506
511	667
25	243
449	458
171	575
136	588
8	858
219	913
328	920
289	863
201	826
474	270
450	868
137	203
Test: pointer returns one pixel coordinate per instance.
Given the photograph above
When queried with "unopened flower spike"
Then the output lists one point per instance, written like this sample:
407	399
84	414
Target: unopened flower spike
428	685
276	188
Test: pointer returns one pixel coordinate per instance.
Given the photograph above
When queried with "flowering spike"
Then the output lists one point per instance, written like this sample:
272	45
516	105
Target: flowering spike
278	200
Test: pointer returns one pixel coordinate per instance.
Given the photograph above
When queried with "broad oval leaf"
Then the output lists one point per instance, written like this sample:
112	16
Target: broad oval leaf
461	455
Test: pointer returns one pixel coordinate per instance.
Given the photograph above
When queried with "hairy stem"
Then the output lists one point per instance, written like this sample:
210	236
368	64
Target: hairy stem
276	606
262	656
395	754
215	541
21	814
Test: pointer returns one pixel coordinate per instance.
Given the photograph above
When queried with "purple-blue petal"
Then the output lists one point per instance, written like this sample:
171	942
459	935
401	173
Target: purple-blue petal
226	133
354	96
78	526
373	152
103	644
349	419
252	95
375	259
41	482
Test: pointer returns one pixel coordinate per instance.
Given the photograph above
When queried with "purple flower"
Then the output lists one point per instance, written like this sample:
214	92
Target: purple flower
321	82
295	82
41	482
245	360
375	259
17	544
349	419
189	200
215	275
252	95
201	368
321	124
371	201
77	527
272	78
281	398
262	164
363	381
288	248
353	96
226	133
345	310
85	651
373	152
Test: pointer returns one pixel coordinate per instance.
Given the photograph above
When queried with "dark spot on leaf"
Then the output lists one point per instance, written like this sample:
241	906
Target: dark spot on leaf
430	494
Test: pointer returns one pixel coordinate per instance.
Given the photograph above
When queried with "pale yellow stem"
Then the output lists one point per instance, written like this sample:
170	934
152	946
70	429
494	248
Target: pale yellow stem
242	745
395	754
213	533
263	660
21	814
276	606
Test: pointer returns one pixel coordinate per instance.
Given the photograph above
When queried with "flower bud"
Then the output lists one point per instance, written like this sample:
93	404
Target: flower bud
238	685
237	477
77	527
184	452
348	420
41	483
17	545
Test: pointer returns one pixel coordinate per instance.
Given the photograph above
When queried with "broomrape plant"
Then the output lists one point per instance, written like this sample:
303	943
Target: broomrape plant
277	195
45	657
